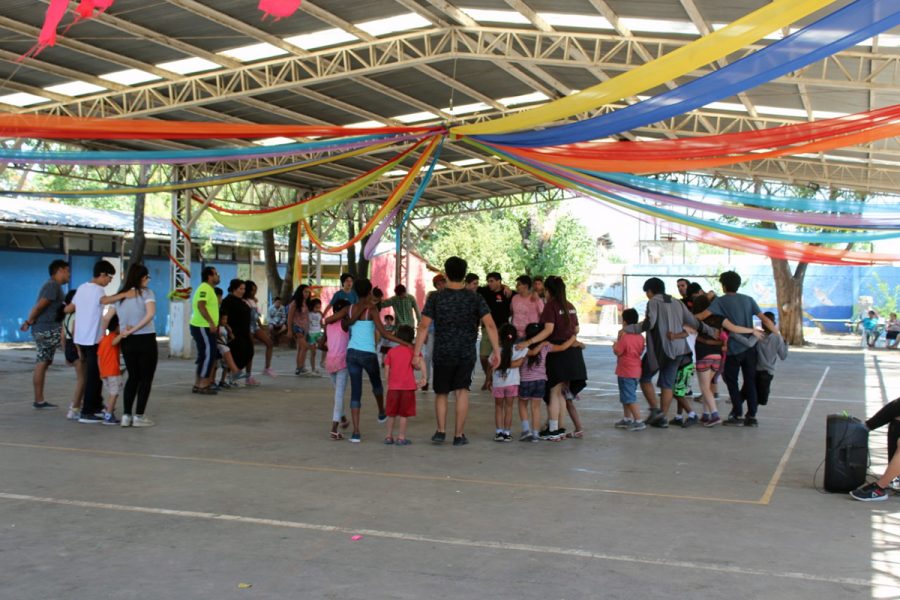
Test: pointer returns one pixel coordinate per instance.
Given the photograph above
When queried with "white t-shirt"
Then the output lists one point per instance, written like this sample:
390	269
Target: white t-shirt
512	375
315	322
90	314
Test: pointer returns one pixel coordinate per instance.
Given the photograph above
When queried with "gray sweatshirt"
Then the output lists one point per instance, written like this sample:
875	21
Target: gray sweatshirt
768	350
665	314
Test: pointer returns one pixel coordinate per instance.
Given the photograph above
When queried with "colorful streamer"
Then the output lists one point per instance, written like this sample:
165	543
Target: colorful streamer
419	192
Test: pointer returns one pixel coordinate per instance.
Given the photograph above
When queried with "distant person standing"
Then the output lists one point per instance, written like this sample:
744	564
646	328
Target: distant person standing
45	321
205	329
404	306
138	344
498	298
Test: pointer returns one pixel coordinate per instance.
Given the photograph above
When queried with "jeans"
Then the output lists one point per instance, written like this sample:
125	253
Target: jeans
93	386
741	364
339	380
889	413
357	362
141	355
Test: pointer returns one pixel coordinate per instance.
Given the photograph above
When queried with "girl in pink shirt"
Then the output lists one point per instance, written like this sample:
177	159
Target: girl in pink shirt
526	306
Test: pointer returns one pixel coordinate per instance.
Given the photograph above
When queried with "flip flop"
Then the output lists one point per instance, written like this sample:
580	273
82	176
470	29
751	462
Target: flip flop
389	440
403	442
336	435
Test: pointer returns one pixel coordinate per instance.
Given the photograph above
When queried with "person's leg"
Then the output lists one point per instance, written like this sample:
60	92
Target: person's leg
92	384
371	366
730	374
302	348
886	414
150	360
131	356
37	380
573	414
355	371
508	413
440	411
462	411
709	402
312	358
390	428
536	413
78	392
523	409
890	473
555	405
263	336
401	435
748	372
498	414
763	386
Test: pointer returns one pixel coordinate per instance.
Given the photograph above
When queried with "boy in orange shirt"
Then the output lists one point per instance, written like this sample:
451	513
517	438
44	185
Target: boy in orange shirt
110	369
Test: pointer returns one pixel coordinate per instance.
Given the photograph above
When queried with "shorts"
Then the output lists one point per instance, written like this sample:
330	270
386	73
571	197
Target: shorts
627	389
533	389
400	403
485	348
113	385
892	335
452	376
298	330
683	380
223	350
507	391
313	338
71	352
46	342
666	374
710	362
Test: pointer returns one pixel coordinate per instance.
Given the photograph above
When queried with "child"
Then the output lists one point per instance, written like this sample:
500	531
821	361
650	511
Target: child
402	386
710	351
338	335
385	345
628	348
315	333
230	371
870	328
770	348
277	320
110	369
505	381
533	384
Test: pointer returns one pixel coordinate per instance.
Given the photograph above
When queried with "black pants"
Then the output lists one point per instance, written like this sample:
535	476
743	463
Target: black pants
741	364
888	414
93	386
763	387
141	356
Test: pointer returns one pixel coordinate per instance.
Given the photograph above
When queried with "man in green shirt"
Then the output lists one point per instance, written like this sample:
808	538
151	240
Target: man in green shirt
205	328
404	306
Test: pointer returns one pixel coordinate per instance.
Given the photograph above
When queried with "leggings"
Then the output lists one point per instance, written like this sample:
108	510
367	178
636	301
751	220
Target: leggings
888	414
339	380
357	362
141	356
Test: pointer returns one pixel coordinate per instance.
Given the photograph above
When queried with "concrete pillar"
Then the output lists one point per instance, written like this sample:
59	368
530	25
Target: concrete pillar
180	342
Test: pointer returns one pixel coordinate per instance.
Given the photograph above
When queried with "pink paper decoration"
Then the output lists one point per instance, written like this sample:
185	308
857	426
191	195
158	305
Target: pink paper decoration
279	8
55	13
86	8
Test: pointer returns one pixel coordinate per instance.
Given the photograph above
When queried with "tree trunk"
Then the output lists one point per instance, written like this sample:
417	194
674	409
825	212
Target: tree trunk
789	294
362	265
274	279
351	251
140	201
287	284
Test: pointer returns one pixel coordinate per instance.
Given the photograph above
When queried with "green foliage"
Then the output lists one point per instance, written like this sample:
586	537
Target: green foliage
885	299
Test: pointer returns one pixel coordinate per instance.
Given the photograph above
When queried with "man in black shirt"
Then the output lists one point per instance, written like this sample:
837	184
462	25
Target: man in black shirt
498	298
456	313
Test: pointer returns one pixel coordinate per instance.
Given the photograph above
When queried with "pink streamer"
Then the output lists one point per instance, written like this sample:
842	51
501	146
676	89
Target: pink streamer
86	8
55	13
279	8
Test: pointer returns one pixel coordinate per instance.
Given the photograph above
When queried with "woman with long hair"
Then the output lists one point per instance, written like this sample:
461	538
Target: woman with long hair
259	333
234	315
298	321
138	344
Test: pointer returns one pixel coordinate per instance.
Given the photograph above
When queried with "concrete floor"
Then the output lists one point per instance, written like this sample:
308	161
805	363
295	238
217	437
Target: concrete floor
245	488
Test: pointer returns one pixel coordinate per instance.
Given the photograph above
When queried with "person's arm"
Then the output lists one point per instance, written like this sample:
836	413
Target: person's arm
767	322
491	329
738	329
36	310
117	340
565	345
677	336
105	300
536	350
421	336
336	316
782	347
201	308
546	332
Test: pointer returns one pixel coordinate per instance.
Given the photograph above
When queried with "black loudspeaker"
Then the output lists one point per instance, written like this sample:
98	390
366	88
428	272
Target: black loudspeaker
846	453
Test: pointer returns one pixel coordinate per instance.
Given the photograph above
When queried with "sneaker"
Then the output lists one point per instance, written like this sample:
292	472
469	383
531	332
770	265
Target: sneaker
439	437
704	419
461	440
655	415
382	418
660	422
734	420
713	421
355	438
751	422
535	437
869	493
895	484
507	437
252	381
679	420
90	419
142	421
624	423
526	436
544	434
126	420
637	426
499	437
110	419
300	372
73	414
43	405
690	421
270	372
556	436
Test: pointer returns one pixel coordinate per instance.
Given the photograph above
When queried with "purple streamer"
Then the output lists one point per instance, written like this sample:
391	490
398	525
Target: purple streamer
372	244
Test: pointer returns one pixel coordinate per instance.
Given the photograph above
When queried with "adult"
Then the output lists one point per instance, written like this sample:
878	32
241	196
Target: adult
683	284
139	349
439	282
526	306
892	331
365	320
298	321
89	302
235	317
455	313
472	281
537	282
889	415
45	321
205	329
257	331
740	359
498	298
406	309
566	368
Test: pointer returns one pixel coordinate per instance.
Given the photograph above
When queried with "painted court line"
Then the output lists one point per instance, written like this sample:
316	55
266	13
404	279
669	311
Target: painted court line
773	483
459	542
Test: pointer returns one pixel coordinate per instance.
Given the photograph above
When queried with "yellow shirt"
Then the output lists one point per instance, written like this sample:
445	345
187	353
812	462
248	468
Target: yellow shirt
205	293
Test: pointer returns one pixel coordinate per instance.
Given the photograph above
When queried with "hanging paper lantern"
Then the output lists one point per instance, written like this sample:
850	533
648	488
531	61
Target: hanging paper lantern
279	8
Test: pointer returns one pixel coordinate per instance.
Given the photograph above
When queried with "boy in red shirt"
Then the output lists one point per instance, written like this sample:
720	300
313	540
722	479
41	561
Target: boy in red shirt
110	369
628	348
402	386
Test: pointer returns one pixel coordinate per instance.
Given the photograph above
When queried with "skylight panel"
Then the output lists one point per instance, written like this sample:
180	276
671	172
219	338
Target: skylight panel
75	88
509	17
365	124
22	99
253	52
575	21
659	25
273	141
524	99
465	109
467	162
321	39
416	117
130	77
885	40
187	66
396	173
395	24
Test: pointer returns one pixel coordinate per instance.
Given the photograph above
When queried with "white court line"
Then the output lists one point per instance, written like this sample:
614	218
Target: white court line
770	489
462	542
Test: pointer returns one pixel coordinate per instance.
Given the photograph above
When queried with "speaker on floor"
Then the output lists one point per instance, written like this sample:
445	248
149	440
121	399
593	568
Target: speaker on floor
846	453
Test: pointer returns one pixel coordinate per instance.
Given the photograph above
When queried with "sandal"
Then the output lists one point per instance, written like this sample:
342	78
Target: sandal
206	391
336	435
389	440
403	442
575	434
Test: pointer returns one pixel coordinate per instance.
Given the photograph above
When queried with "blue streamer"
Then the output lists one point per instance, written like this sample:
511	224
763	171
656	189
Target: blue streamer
840	30
415	199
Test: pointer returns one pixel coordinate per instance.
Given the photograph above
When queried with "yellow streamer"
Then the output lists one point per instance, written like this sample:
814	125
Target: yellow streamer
739	34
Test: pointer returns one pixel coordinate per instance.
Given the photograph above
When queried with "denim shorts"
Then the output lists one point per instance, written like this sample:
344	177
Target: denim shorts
628	390
532	389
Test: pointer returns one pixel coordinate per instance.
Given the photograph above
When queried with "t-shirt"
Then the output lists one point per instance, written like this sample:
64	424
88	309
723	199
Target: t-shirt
456	314
277	315
629	349
238	314
205	293
538	371
401	375
47	319
511	375
525	311
108	357
350	297
498	303
315	322
870	323
90	313
563	328
132	310
740	310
